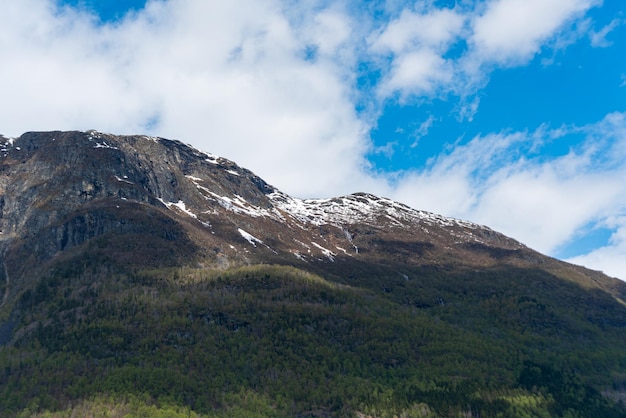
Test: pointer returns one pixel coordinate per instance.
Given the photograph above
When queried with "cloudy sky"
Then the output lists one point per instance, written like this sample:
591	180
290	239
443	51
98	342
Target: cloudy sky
509	113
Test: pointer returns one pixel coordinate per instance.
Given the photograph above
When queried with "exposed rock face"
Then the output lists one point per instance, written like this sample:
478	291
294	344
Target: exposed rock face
141	202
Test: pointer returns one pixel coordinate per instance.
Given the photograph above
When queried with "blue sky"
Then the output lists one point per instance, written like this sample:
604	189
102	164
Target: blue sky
509	113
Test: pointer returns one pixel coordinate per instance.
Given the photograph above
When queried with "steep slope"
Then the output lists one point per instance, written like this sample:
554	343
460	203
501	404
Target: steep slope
156	202
140	266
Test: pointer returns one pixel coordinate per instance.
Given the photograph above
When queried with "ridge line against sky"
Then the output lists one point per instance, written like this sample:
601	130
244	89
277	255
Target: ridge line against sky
509	113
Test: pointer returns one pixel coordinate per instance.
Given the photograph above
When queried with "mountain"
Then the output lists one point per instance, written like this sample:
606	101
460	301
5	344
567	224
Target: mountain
141	272
156	202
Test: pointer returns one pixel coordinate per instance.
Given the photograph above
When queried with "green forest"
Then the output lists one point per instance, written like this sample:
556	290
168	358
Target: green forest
276	341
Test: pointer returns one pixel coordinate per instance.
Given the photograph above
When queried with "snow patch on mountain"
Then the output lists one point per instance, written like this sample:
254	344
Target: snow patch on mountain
331	255
236	203
100	139
104	144
123	179
249	237
360	207
151	138
8	142
180	205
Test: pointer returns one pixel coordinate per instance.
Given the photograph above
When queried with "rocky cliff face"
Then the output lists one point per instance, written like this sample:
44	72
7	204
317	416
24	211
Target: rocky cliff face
142	202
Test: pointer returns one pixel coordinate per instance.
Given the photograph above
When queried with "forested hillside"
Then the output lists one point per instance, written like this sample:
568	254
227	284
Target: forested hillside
277	341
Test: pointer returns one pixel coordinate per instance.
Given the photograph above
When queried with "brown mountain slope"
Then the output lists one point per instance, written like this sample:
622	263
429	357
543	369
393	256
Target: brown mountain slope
143	202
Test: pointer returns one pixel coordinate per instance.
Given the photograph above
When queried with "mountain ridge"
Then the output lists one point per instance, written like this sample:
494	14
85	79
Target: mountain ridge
121	255
80	169
210	196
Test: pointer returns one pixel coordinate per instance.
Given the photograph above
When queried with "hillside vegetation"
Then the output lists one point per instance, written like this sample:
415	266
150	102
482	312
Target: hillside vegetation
272	340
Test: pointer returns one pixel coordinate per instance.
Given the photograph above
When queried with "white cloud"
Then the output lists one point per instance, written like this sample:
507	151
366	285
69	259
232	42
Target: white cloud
417	43
330	31
502	181
417	73
610	259
422	130
195	70
449	184
435	51
52	63
513	31
542	207
230	77
598	39
274	89
435	29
